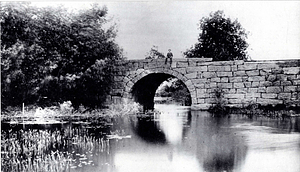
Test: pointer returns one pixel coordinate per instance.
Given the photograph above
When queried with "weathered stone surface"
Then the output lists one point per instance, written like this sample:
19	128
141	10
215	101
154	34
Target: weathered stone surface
235	79
196	69
191	75
208	74
220	74
247	66
290	88
291	70
234	96
256	78
224	79
268	101
285	83
255	84
252	73
265	83
215	80
253	95
225	85
238	85
274	89
269	95
219	69
239	73
182	64
284	96
267	65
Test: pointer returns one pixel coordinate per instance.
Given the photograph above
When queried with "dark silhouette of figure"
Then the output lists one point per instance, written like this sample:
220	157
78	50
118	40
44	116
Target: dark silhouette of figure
169	56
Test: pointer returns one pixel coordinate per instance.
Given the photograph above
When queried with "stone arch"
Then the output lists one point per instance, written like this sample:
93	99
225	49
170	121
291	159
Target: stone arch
133	77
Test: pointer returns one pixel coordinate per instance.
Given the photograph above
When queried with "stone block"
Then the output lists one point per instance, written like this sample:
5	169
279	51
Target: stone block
296	82
286	83
267	66
252	90
265	83
268	95
181	70
241	90
234	96
219	69
252	73
200	91
225	85
215	80
200	81
281	77
253	95
224	79
234	101
209	74
191	75
209	100
247	66
268	101
239	73
200	101
255	84
256	78
284	96
239	62
211	85
220	74
238	85
199	85
234	68
182	64
274	89
203	106
247	84
290	88
261	89
236	79
276	83
271	78
291	70
196	69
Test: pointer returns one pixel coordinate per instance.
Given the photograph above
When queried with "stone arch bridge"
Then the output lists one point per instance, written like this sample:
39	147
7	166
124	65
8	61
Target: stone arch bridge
242	83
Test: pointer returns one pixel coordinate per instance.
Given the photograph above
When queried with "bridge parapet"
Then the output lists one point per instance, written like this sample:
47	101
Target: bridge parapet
243	83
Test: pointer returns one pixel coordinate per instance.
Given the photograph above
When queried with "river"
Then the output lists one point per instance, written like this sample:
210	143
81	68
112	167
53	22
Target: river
175	139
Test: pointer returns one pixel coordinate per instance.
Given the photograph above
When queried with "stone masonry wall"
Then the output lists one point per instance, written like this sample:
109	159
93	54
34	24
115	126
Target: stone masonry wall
243	83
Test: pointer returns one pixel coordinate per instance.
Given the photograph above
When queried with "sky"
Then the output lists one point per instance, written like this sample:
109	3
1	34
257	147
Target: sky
273	26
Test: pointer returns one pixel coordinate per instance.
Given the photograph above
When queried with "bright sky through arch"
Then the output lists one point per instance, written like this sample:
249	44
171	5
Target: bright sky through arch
274	26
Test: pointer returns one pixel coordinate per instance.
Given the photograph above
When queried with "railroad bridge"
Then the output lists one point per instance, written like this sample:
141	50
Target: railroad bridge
242	82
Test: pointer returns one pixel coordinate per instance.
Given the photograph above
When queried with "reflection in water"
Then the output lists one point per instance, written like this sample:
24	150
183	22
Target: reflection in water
176	139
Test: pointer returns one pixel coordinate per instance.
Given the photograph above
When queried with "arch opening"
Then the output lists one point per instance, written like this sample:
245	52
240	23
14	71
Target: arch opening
143	91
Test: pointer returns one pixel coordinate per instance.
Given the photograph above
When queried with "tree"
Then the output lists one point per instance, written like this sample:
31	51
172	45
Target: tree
220	38
154	53
46	51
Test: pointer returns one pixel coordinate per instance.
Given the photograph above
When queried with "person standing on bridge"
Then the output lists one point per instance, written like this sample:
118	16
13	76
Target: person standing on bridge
169	56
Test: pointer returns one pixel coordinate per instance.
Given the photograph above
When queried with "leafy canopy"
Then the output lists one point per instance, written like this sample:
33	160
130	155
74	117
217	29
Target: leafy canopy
47	53
220	38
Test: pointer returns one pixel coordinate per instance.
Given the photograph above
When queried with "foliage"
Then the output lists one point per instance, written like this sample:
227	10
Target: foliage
154	53
177	90
220	38
47	52
219	107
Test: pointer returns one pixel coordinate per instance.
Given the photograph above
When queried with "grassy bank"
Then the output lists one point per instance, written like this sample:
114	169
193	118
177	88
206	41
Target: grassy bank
36	114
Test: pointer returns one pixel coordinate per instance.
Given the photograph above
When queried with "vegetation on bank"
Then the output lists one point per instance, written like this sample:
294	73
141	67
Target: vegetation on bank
51	55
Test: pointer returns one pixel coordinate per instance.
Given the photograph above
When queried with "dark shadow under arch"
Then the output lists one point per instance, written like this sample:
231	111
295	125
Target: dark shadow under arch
143	91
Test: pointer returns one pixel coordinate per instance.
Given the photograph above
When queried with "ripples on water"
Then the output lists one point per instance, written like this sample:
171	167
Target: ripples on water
175	139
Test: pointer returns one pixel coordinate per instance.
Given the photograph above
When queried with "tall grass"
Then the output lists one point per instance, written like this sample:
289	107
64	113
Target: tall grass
46	150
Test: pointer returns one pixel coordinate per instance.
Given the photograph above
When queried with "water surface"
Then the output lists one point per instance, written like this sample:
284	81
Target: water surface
173	139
